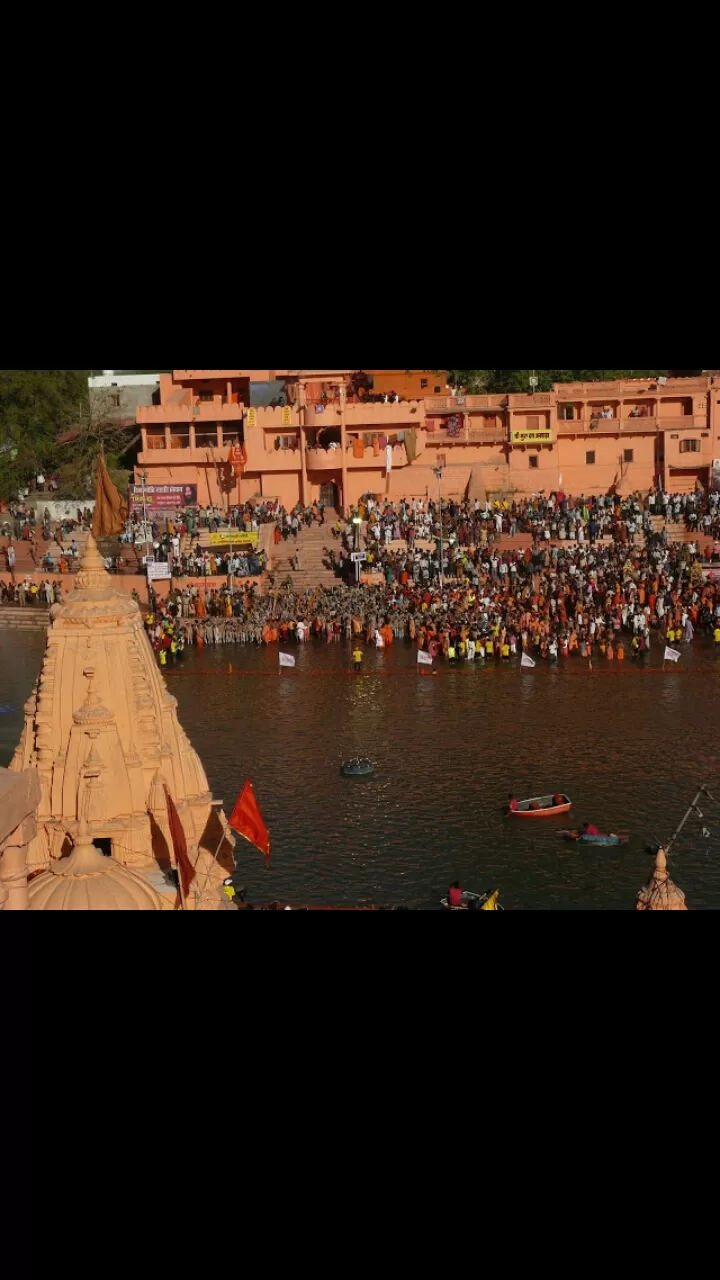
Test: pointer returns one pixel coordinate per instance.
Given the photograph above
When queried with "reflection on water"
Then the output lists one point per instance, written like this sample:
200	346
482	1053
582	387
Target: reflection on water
629	746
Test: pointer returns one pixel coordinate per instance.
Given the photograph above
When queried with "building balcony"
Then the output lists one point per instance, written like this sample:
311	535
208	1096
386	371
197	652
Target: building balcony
202	411
472	435
332	459
368	417
627	425
543	400
463	404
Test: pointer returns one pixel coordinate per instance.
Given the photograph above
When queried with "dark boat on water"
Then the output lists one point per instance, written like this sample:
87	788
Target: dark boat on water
357	768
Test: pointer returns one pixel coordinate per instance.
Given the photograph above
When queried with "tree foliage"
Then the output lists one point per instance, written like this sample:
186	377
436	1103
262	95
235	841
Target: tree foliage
40	406
507	381
36	406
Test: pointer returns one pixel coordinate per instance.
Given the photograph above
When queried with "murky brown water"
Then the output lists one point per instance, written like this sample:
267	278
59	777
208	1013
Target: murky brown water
630	747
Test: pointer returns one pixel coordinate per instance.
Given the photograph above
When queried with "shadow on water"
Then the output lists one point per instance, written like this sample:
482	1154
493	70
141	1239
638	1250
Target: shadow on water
628	748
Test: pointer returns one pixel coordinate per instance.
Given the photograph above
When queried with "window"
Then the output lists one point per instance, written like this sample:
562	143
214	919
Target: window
590	458
115	402
534	460
423	384
437	392
206	396
566	412
689	446
629	455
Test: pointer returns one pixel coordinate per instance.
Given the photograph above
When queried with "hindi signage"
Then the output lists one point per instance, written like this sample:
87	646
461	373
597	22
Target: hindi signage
519	436
163	498
251	417
287	416
234	537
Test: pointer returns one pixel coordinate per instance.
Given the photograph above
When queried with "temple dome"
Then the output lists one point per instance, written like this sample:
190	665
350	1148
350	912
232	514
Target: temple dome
661	894
89	881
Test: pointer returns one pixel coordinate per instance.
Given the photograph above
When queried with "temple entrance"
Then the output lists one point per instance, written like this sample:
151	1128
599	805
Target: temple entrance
330	496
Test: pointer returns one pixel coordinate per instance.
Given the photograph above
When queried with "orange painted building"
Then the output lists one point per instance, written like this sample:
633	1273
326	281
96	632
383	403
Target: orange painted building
323	443
409	384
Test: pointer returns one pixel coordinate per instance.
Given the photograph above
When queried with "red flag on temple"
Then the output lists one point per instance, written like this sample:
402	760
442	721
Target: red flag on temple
186	870
248	821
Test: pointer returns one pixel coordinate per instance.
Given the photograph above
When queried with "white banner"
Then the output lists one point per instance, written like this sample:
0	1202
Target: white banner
671	655
424	659
388	458
287	660
158	570
526	662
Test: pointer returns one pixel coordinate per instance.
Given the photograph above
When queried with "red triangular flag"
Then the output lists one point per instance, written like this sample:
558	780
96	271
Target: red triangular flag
247	820
186	869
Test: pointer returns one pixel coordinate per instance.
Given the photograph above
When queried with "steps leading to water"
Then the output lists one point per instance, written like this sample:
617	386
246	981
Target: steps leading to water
29	618
313	543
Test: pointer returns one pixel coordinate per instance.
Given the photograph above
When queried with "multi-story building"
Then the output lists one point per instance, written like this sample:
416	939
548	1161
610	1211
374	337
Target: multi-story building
206	442
118	396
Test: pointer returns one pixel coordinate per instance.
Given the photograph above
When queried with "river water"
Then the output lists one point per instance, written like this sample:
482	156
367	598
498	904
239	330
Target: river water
629	746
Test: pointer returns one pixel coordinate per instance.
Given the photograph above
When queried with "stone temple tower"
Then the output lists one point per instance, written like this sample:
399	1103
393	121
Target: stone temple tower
103	733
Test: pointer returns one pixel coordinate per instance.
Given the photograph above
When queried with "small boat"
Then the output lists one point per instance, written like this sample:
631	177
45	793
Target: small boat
475	902
540	807
357	768
578	838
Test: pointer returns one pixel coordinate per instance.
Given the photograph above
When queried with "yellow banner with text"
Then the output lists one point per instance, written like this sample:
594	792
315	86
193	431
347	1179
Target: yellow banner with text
518	436
233	537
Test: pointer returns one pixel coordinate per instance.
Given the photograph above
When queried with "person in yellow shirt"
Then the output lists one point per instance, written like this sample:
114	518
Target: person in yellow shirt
506	652
489	649
717	635
358	657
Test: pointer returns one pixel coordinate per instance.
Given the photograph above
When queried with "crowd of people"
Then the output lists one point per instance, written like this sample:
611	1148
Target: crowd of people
26	591
470	530
603	577
551	603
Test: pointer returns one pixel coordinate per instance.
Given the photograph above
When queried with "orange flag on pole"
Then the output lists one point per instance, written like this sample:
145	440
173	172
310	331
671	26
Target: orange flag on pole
110	511
248	821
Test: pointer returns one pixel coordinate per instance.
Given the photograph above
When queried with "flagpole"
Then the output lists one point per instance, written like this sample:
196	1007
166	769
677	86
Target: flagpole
225	829
703	791
178	868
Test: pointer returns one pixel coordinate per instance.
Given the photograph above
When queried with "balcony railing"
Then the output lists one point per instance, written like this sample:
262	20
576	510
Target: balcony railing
462	404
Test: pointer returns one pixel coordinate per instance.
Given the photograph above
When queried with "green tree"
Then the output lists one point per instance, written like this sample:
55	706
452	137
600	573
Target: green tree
95	429
508	381
36	407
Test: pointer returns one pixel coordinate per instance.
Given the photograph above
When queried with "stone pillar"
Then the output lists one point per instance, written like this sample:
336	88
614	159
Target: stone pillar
13	866
192	435
303	460
167	437
343	445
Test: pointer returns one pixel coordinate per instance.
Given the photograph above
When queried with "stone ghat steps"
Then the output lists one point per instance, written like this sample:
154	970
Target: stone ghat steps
308	581
29	618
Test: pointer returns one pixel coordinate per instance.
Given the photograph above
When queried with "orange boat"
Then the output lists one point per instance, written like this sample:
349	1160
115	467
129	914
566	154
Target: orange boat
541	807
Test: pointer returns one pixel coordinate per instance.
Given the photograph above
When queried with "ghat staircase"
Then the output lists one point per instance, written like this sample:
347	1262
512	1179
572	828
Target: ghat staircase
312	571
